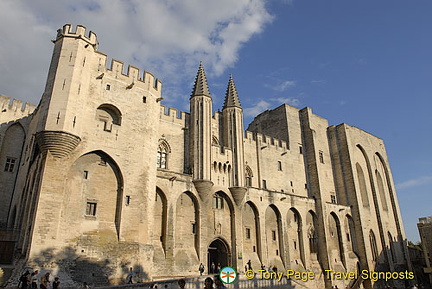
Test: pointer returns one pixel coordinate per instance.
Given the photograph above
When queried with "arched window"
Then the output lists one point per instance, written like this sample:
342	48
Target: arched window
218	202
311	232
249	176
362	183
381	191
373	245
109	115
162	154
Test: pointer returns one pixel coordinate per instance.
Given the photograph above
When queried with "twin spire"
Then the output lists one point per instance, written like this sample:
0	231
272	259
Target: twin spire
231	96
201	88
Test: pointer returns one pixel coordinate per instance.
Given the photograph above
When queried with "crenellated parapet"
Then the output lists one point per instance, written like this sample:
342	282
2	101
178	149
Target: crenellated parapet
265	140
132	75
80	33
115	70
15	109
171	114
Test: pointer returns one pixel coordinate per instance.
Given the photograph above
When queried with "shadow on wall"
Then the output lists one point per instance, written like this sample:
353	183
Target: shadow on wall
382	274
74	269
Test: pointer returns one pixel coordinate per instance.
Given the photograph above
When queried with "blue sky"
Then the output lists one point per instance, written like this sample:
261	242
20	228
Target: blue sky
366	63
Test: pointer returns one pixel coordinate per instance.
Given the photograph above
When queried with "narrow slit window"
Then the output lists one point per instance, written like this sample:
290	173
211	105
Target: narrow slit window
321	157
248	233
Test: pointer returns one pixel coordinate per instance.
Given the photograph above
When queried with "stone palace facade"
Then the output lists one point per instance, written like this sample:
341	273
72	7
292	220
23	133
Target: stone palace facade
100	177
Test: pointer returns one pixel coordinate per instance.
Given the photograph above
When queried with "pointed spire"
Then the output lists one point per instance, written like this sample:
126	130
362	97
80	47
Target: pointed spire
231	97
201	86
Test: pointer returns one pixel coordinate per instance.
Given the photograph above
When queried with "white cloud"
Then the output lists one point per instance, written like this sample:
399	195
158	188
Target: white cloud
285	85
414	183
280	85
288	100
258	108
165	37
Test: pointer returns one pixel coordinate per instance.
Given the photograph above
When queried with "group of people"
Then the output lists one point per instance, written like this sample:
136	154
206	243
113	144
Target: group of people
213	268
271	268
31	280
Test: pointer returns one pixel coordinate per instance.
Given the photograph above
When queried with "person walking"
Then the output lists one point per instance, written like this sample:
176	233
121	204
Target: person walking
45	281
249	265
34	279
201	268
130	276
56	283
24	280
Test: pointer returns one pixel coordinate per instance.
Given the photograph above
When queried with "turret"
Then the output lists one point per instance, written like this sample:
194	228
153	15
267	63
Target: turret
233	132
200	127
57	129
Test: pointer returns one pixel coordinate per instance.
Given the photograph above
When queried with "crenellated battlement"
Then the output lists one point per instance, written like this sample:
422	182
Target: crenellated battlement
171	114
80	32
116	69
133	73
267	141
14	109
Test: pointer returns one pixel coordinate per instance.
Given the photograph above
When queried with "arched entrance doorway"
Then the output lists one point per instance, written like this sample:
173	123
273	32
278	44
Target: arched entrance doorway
218	253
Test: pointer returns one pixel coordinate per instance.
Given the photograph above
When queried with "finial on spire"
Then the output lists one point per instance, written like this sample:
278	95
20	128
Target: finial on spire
201	86
231	96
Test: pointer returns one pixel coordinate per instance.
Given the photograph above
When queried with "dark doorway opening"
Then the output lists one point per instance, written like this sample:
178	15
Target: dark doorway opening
218	254
6	252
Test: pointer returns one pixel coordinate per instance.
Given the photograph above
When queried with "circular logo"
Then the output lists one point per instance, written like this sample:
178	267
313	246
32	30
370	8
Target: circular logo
228	275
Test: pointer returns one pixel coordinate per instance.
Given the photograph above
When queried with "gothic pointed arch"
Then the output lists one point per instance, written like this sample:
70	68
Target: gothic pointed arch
96	182
164	146
186	232
381	191
295	238
160	218
11	149
363	187
312	235
219	254
351	234
223	211
335	239
164	149
389	186
249	176
373	245
273	235
251	234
